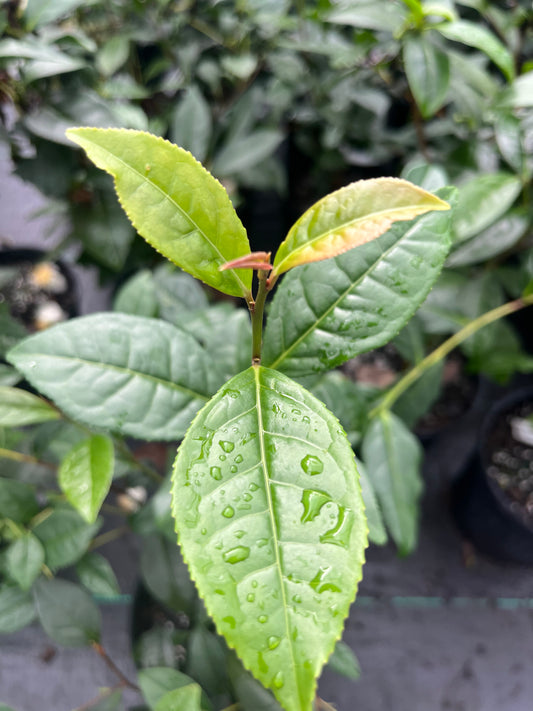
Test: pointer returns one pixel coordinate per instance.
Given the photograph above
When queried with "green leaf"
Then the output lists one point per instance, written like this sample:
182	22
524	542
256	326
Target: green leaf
173	202
86	473
376	528
17	500
97	575
418	399
16	609
475	35
123	373
494	240
65	537
508	135
344	662
519	94
191	125
187	697
324	314
270	521
109	703
18	408
44	59
392	457
42	12
138	296
113	54
482	200
249	692
350	217
428	72
157	682
177	293
11	331
165	574
8	376
244	152
67	613
346	400
206	660
381	15
24	560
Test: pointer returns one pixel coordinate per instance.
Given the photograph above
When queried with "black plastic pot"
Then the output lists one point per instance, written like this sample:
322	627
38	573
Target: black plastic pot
483	511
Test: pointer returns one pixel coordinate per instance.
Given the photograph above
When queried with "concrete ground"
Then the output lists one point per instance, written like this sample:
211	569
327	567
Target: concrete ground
431	633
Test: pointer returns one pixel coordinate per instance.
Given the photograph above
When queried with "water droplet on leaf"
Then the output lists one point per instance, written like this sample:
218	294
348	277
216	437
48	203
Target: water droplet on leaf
216	473
273	642
228	512
312	465
278	680
262	619
236	555
313	501
227	446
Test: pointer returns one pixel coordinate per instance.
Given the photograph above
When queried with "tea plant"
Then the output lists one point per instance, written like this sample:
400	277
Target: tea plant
265	491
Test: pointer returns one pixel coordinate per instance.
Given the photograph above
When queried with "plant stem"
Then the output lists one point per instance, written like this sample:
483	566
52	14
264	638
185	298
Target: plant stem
257	311
21	457
108	536
442	351
144	468
124	681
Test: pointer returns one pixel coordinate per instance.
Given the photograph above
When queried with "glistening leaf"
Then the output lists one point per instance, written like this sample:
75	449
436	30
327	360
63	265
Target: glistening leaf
428	72
271	523
392	457
324	314
135	375
350	217
85	475
173	202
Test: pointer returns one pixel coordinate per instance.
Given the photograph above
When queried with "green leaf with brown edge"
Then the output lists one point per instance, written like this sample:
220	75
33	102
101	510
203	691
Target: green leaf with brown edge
350	217
324	314
173	202
271	522
86	473
392	456
19	408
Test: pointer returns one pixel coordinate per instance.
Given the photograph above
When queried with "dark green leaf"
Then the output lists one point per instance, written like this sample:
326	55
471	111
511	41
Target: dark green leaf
86	473
156	682
18	408
17	500
177	292
97	575
124	373
138	296
418	399
270	521
42	12
245	152
508	135
206	661
113	54
191	124
392	457
65	537
24	560
376	528
16	609
493	240
67	613
344	662
165	574
428	72
326	313
187	697
378	15
249	692
8	375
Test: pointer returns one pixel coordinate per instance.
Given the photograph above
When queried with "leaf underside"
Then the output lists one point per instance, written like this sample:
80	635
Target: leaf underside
270	519
324	314
129	374
350	217
173	202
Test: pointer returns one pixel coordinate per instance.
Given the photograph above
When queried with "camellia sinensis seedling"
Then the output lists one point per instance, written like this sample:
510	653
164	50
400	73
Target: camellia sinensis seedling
266	494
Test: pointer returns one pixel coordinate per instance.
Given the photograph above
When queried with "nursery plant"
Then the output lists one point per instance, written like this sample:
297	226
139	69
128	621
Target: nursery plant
265	490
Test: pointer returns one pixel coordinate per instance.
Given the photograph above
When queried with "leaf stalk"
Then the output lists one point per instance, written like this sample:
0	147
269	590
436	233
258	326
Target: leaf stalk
257	310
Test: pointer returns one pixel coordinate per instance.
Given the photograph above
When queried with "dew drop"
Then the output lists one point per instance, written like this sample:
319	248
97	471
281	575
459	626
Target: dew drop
234	394
262	619
216	473
253	487
239	534
238	459
313	501
312	465
228	512
229	620
222	457
219	591
236	555
296	411
318	584
262	542
233	469
227	446
254	583
250	597
247	497
297	598
339	535
273	642
203	531
263	666
278	680
306	419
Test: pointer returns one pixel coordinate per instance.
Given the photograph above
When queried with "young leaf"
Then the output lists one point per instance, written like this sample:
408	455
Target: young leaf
135	375
17	500
24	559
97	575
475	35
270	520
157	682
392	457
191	126
18	408
65	537
344	662
350	217
186	697
173	202
428	72
324	314
67	613
85	475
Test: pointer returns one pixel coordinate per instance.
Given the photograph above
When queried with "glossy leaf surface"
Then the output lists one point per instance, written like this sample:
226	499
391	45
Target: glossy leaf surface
475	35
85	475
96	574
324	314
24	559
392	457
17	500
270	520
139	376
18	408
350	217
65	537
16	609
428	72
173	202
158	682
